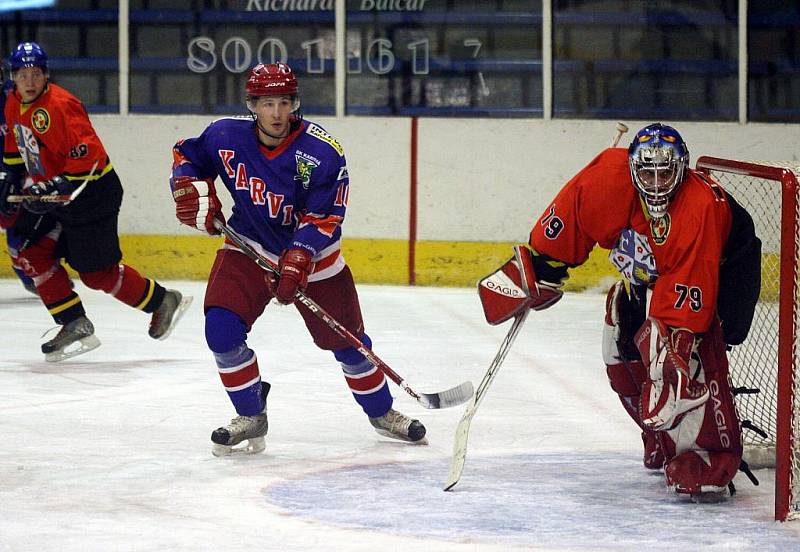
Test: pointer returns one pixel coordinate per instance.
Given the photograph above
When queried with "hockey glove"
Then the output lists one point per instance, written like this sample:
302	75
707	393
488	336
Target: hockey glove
10	184
514	287
196	203
295	265
58	185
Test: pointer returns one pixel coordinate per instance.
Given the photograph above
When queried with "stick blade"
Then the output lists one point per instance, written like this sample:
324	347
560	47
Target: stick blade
448	398
459	448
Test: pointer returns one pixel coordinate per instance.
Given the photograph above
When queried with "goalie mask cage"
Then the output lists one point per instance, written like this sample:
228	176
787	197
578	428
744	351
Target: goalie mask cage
767	360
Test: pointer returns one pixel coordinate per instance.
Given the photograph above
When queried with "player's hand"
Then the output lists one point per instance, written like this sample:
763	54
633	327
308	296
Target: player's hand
196	203
295	265
58	185
10	184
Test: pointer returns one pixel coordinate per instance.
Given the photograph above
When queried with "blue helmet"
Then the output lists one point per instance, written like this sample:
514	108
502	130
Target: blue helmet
27	54
658	159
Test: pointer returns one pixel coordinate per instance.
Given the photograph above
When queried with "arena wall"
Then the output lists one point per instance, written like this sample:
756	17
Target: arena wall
481	183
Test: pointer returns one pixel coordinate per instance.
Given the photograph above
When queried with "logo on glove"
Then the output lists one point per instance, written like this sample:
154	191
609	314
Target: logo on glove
503	289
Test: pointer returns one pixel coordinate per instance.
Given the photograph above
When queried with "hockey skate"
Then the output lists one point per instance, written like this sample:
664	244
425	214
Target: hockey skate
166	316
399	426
242	428
73	339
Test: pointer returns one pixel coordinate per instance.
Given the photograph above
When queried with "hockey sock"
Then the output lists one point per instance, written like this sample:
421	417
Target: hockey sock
236	363
366	382
238	370
126	284
55	289
52	281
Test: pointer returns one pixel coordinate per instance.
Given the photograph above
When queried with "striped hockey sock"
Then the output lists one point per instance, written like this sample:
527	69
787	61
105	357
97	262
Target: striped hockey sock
369	387
238	370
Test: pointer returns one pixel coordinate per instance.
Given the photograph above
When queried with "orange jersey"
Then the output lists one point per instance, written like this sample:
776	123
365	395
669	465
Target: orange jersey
53	136
600	204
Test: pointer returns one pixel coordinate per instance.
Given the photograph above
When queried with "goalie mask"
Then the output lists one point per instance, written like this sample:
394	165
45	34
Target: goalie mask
658	159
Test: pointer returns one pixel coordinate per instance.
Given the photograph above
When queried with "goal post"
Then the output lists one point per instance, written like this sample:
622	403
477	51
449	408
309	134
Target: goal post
767	360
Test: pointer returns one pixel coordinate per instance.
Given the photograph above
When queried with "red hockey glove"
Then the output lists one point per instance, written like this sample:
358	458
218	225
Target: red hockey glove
196	203
295	266
514	287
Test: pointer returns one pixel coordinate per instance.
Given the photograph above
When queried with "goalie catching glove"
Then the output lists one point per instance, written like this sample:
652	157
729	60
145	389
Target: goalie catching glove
514	287
196	203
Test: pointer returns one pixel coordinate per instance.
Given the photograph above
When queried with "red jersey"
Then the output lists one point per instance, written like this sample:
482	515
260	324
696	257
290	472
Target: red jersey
600	203
52	136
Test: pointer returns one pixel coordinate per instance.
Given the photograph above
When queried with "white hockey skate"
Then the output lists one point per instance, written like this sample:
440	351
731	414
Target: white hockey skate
242	428
166	316
73	339
399	426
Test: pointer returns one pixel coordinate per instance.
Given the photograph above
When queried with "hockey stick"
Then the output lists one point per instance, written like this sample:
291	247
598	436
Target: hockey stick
462	431
444	399
65	199
621	129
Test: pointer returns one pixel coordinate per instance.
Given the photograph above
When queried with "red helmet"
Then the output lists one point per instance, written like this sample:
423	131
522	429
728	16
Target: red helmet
271	80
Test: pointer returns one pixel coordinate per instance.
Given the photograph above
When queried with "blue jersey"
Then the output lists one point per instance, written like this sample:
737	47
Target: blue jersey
294	195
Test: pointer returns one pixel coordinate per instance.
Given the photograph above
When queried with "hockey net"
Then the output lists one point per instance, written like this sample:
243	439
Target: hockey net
767	360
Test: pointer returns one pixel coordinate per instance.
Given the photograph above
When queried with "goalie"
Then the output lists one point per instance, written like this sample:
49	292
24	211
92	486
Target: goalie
691	262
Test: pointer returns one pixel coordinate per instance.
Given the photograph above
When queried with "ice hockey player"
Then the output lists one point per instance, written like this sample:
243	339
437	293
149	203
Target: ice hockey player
691	262
13	239
51	139
289	183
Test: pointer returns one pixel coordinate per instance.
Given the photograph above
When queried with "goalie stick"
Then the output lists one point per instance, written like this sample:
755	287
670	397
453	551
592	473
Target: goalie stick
444	399
65	199
462	431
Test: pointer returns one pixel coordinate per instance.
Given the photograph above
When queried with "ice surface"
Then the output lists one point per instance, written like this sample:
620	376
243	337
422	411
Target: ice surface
111	450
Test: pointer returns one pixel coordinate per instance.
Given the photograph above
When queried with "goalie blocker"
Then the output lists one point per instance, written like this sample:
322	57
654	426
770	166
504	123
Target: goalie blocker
514	287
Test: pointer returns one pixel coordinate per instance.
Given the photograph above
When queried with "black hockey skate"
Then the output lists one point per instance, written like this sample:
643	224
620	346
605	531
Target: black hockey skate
249	428
166	316
399	426
73	339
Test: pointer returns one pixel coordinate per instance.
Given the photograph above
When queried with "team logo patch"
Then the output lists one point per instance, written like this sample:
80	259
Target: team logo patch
305	167
40	119
659	228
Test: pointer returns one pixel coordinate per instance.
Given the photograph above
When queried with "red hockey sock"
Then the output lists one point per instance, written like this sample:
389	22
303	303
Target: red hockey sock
127	285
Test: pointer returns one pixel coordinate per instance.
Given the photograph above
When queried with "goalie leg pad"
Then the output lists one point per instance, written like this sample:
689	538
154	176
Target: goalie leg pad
668	392
514	287
695	473
705	449
626	380
626	372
